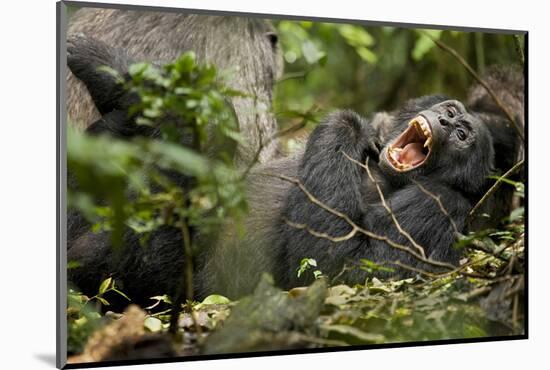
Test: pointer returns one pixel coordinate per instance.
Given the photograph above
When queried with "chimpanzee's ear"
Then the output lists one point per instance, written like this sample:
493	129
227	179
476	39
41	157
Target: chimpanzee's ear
85	56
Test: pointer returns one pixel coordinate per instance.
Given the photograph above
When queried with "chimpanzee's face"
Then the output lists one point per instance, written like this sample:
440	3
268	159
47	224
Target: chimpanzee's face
442	140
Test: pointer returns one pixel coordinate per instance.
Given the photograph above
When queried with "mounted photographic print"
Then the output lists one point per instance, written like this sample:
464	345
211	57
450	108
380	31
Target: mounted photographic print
237	184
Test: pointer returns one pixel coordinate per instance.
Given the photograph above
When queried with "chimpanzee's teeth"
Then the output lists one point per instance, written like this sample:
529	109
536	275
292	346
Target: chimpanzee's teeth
395	162
422	128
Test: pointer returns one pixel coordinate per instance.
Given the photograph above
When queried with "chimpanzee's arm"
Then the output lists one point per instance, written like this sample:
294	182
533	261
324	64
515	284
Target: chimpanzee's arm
335	181
326	171
422	217
85	56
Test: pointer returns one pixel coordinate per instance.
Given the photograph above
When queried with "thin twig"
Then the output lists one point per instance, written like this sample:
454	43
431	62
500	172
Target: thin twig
322	235
293	75
187	283
342	272
417	270
474	74
495	186
385	205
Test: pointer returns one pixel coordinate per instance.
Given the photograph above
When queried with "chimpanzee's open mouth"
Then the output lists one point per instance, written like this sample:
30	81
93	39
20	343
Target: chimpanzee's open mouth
411	149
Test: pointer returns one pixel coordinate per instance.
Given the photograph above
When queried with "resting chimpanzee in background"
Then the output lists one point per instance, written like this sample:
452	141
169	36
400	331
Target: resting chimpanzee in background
248	47
508	84
454	166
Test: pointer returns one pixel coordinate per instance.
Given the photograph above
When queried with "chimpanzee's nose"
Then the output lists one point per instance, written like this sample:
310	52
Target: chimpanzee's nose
443	121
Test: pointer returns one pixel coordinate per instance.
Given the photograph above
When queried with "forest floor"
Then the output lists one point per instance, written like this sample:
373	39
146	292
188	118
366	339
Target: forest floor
484	299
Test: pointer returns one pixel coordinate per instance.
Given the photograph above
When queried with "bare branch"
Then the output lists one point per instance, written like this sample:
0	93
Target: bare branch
342	272
495	186
386	207
474	74
335	239
417	270
446	273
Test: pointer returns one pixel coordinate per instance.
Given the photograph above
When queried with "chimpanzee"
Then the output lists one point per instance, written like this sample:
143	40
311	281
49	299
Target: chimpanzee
438	152
233	267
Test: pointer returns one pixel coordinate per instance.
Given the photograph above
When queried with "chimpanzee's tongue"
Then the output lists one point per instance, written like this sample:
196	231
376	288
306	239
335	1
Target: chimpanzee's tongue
412	154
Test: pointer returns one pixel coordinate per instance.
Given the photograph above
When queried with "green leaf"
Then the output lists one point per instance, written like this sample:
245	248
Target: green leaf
352	335
73	265
367	55
112	72
424	44
356	36
106	284
103	301
186	62
311	53
472	331
162	298
122	294
183	159
137	69
215	299
152	324
517	214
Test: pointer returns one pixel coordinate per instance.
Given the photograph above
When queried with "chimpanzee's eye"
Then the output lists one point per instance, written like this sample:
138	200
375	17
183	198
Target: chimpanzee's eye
461	134
450	112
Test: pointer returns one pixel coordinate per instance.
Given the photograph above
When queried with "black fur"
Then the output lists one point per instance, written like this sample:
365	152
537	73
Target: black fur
141	271
508	84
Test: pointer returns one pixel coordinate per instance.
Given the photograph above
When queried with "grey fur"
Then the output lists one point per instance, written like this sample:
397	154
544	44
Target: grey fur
233	264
